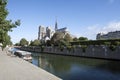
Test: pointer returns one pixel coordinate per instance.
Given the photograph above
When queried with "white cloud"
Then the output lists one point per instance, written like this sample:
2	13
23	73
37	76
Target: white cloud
113	26
92	31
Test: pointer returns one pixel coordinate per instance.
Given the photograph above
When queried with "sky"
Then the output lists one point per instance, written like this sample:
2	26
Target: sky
81	17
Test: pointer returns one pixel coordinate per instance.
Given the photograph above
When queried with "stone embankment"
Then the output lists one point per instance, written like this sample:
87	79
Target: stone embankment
103	52
14	68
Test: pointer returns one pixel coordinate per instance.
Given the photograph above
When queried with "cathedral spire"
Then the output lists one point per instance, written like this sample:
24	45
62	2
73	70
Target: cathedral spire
56	25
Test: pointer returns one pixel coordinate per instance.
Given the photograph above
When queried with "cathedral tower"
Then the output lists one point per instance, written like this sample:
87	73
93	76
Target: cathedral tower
56	26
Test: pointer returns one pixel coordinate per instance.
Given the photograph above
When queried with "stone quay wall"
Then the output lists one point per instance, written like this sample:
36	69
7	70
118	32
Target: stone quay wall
90	51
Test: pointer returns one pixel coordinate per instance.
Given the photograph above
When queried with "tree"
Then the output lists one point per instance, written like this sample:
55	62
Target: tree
75	39
57	36
48	43
61	39
8	41
23	42
83	38
5	25
17	44
63	43
35	43
68	38
31	43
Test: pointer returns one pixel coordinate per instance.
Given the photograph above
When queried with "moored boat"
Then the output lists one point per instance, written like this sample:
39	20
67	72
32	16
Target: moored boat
23	54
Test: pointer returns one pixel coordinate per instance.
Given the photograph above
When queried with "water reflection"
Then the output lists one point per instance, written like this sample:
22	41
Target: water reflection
77	68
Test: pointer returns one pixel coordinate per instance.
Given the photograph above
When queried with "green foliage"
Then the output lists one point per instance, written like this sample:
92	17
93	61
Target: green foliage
48	43
68	38
117	43
60	38
112	47
57	36
63	42
17	44
75	39
97	42
23	42
5	25
107	43
8	41
83	38
35	43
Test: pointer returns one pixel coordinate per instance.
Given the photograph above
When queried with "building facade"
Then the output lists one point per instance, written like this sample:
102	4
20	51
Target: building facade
64	30
109	35
41	32
45	33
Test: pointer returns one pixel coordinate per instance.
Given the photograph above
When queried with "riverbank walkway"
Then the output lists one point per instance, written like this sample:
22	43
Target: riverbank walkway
14	68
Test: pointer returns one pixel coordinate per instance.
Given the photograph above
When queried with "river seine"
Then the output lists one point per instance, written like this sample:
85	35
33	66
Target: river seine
78	68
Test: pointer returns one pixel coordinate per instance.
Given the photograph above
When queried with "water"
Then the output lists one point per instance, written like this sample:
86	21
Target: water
77	68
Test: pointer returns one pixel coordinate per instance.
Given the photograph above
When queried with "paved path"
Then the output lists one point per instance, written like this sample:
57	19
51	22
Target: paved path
13	68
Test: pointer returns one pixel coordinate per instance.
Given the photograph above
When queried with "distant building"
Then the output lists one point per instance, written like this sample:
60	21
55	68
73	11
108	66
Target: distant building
56	26
109	35
41	33
64	30
45	33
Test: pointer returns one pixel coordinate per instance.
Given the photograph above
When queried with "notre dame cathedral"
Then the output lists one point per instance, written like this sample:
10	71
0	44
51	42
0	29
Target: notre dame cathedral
45	33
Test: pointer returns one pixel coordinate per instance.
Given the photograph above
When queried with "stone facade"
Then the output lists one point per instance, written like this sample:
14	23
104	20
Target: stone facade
109	35
45	33
92	51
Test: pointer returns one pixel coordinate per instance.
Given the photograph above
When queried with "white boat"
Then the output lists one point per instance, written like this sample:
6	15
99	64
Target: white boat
12	50
23	54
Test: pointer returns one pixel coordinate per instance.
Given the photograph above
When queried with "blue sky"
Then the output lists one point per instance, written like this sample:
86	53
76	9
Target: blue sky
81	17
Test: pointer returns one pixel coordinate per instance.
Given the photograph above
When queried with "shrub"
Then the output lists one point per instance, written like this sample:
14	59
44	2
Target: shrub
117	43
112	47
